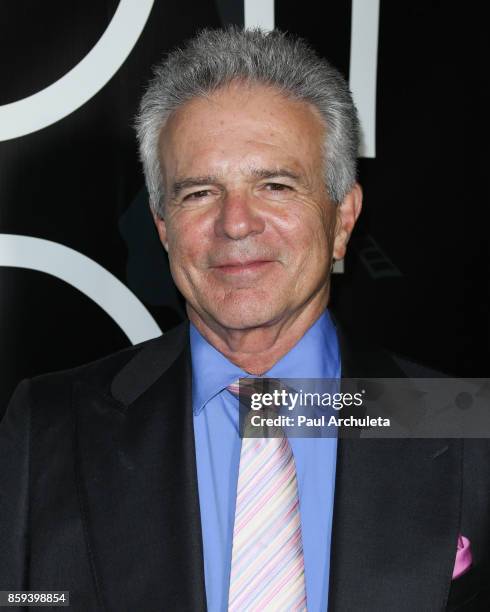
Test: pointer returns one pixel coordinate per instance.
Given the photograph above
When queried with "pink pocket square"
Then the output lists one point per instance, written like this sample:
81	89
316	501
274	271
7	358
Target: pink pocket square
463	557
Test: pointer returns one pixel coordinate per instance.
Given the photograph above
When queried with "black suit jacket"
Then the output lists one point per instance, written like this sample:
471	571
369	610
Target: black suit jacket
98	495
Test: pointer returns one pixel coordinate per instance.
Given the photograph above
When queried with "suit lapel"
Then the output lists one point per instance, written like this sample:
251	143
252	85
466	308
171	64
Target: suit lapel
138	482
396	513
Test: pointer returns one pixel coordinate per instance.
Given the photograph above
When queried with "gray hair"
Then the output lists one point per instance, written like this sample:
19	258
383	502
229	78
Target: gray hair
215	58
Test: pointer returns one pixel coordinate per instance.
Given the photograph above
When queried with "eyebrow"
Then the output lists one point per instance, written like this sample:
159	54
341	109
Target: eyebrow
264	173
260	173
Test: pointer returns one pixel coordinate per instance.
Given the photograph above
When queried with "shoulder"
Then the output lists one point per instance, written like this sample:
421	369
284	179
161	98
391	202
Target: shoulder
413	369
97	374
55	388
361	358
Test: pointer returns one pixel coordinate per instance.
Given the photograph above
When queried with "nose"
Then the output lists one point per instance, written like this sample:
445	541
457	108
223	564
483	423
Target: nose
238	217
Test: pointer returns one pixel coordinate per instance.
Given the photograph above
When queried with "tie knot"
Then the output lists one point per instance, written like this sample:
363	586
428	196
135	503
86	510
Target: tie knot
245	387
251	392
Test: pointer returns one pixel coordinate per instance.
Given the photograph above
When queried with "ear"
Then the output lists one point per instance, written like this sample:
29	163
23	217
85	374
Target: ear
161	229
347	213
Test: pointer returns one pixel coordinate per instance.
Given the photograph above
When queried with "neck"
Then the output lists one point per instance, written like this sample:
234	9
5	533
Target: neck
255	350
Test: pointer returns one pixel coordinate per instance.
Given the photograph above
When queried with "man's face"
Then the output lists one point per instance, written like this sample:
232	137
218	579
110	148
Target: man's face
248	224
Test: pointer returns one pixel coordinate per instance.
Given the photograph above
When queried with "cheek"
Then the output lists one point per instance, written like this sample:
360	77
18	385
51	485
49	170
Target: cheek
308	246
185	240
303	231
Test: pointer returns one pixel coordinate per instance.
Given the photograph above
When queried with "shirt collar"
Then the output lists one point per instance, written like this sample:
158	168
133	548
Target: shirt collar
315	355
211	371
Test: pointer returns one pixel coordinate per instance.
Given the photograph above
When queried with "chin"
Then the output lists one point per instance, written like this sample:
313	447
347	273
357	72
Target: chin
244	315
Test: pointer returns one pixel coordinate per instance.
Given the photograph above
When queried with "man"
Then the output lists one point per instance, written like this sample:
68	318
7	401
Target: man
125	481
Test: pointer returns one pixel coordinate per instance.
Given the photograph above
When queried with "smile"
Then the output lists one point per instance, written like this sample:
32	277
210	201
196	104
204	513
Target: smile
246	267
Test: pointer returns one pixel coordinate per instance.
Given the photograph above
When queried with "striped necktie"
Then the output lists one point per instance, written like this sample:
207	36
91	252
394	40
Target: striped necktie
267	568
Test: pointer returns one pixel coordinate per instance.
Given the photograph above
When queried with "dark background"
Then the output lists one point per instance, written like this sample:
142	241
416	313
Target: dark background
416	276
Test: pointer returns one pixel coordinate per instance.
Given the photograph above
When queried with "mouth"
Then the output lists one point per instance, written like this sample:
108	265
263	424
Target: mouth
243	267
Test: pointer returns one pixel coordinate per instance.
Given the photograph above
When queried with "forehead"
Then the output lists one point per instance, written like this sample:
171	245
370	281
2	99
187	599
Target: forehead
238	122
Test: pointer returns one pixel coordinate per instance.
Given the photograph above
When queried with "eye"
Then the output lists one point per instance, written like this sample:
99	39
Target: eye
196	195
277	187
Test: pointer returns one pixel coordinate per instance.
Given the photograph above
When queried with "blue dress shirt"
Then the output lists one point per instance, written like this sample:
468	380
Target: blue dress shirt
218	444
